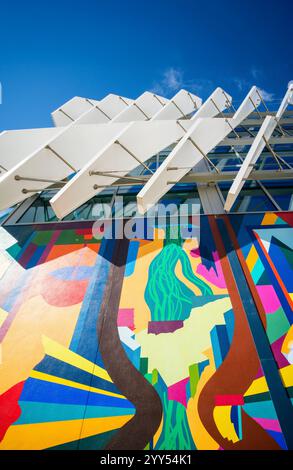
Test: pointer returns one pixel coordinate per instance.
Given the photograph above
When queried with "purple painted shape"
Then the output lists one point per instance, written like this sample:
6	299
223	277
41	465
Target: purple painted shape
269	424
269	298
28	253
177	391
216	277
51	243
195	253
276	347
157	327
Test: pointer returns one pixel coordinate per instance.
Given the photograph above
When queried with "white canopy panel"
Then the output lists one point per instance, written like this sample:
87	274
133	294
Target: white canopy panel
115	157
260	142
142	109
134	144
90	111
197	142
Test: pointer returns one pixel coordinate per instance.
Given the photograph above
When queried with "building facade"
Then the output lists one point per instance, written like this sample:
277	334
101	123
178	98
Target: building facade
156	341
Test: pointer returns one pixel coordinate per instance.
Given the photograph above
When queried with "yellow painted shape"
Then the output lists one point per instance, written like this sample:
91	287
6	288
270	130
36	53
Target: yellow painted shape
260	385
3	316
43	435
251	258
22	347
69	383
202	439
288	341
291	295
158	433
287	375
172	353
269	219
132	293
222	418
56	350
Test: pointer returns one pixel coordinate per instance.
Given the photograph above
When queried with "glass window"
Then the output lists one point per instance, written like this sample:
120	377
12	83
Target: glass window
251	198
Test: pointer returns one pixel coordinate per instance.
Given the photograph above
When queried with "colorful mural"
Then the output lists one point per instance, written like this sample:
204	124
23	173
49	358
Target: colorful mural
154	343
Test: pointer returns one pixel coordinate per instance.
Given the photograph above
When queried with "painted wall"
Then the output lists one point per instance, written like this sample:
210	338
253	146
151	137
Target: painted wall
148	343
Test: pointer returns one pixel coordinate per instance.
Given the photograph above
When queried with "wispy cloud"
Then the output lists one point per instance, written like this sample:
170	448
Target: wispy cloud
255	73
173	79
267	96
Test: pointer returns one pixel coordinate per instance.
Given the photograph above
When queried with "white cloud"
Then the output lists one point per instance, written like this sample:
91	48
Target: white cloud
267	96
173	80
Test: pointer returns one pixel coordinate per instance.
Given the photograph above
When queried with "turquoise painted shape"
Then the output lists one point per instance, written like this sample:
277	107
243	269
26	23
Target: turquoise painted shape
35	412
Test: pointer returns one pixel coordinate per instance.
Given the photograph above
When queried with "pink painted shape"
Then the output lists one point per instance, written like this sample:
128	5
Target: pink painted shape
215	277
269	424
269	298
229	400
126	317
177	392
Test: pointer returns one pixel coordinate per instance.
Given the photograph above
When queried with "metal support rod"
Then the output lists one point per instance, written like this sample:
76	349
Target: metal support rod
199	149
268	194
98	108
272	152
158	99
122	99
61	158
180	110
3	168
253	104
227	120
105	173
228	101
141	110
194	102
40	180
262	100
65	114
133	156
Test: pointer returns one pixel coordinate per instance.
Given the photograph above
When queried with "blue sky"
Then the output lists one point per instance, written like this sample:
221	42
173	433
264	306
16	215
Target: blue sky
53	50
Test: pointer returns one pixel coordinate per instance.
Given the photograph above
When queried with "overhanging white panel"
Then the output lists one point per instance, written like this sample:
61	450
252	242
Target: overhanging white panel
143	108
105	110
71	110
89	111
138	140
76	146
181	105
63	203
198	141
259	143
255	151
16	145
215	103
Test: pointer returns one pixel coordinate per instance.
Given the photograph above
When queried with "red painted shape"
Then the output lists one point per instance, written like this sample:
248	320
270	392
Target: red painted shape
229	400
10	410
287	217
